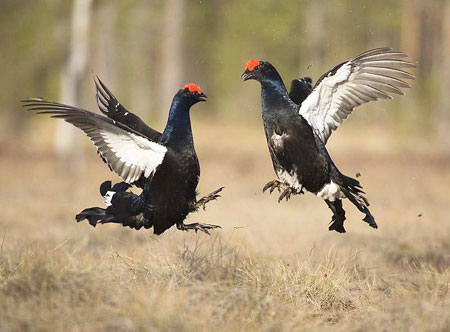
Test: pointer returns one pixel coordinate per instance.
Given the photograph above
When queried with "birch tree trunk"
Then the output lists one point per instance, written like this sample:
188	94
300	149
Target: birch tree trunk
443	116
411	28
171	53
65	144
317	38
104	54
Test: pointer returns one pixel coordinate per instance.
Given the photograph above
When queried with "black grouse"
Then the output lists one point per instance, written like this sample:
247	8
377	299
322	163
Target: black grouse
297	124
164	165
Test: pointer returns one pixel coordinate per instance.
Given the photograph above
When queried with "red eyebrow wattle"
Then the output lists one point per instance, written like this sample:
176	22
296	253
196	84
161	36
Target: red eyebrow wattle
252	64
193	88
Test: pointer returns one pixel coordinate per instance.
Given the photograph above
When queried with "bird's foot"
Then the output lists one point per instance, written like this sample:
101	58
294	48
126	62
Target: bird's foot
337	225
288	192
208	198
197	227
272	185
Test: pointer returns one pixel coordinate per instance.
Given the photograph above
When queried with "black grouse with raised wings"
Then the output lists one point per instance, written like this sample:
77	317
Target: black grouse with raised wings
164	165
297	124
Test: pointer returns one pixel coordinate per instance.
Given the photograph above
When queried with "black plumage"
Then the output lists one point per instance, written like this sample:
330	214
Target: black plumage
297	124
164	165
300	89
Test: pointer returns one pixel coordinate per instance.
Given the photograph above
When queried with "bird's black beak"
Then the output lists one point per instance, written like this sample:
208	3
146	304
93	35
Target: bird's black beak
202	97
246	75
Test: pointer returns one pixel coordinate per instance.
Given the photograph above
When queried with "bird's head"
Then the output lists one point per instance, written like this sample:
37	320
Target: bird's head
259	70
192	94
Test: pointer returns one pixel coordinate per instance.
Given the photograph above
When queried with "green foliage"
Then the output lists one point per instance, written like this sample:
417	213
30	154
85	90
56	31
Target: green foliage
300	37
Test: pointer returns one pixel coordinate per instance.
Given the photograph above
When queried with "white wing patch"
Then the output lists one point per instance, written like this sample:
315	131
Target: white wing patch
125	151
370	76
128	154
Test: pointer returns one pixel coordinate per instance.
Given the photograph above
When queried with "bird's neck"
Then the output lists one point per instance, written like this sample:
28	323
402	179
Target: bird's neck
178	129
274	95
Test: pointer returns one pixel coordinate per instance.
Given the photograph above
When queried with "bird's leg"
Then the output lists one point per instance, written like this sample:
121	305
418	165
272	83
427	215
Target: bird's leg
288	192
337	221
208	198
272	185
197	227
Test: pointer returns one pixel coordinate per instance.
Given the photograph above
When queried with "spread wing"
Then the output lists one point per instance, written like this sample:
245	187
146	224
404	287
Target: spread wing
126	151
370	76
110	106
300	89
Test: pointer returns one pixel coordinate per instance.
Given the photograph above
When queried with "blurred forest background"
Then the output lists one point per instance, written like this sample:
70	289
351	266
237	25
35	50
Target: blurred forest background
272	267
146	50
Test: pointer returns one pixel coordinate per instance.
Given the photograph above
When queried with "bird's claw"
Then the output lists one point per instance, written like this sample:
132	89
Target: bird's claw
272	185
285	194
288	192
197	227
210	197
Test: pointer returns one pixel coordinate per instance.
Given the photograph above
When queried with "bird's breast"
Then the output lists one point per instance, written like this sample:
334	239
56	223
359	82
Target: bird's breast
278	140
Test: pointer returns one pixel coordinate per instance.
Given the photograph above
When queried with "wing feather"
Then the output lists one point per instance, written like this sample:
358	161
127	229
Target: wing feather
370	76
126	151
113	109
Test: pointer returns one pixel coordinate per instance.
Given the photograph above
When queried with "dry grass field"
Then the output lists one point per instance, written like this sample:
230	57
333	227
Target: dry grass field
273	267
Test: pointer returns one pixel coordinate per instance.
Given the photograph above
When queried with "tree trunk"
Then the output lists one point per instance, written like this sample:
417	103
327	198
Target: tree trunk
411	28
443	116
314	53
105	52
66	145
171	53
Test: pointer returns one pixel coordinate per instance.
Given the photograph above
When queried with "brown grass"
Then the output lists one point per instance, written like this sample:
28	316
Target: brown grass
273	267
